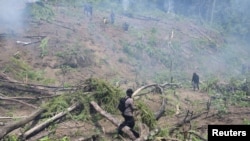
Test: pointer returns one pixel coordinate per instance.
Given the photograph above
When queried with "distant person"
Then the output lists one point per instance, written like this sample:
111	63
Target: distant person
105	21
195	81
88	10
128	114
112	17
125	26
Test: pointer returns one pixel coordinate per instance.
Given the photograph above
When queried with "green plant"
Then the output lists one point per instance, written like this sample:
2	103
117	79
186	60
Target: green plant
41	12
210	84
98	90
220	105
11	138
65	139
44	47
147	116
164	132
246	121
46	138
21	70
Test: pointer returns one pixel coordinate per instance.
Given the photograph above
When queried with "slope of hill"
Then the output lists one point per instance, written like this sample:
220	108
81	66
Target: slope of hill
142	53
73	47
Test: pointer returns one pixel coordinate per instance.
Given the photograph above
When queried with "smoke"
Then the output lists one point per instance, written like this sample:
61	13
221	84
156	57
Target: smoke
12	13
169	5
125	4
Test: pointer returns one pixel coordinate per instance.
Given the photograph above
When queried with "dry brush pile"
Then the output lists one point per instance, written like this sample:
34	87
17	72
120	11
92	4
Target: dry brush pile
90	101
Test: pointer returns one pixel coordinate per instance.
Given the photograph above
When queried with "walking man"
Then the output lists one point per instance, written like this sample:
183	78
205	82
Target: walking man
195	81
128	114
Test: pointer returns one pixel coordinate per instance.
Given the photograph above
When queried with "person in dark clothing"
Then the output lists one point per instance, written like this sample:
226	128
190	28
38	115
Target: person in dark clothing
112	17
195	81
128	114
88	9
125	26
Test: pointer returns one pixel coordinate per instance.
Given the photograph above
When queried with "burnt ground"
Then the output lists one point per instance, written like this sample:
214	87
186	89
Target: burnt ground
96	50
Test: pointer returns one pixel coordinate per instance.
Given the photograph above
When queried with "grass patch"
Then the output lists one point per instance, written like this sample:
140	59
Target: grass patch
22	71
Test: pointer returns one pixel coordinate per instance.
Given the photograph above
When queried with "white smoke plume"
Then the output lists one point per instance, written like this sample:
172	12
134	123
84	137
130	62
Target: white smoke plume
11	13
125	4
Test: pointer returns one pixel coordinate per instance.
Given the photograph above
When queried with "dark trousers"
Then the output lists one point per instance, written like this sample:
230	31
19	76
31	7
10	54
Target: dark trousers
195	85
130	122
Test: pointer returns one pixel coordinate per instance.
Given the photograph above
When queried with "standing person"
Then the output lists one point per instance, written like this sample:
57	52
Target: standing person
195	81
112	17
88	10
128	114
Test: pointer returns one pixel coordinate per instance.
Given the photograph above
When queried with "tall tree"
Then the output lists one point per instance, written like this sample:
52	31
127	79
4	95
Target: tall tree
212	12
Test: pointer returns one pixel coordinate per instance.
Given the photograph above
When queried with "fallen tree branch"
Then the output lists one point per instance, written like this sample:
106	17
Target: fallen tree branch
33	131
32	43
161	111
10	127
5	77
25	88
41	135
142	88
126	129
12	84
14	100
171	85
13	117
141	17
245	99
61	25
35	36
179	124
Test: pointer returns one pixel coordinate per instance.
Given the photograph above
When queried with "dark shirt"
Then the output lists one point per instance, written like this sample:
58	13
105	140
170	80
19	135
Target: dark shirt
195	78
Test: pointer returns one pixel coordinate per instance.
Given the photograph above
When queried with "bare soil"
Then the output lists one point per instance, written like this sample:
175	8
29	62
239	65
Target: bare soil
101	43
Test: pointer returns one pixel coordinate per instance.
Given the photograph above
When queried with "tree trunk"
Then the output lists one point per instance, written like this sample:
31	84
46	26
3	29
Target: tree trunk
18	101
33	131
179	124
7	129
126	129
212	12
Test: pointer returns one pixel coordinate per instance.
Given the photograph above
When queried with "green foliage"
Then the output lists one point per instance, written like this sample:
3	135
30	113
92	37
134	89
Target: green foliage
58	104
44	47
246	121
41	12
210	84
236	98
164	132
11	138
152	38
46	138
224	95
105	94
220	105
21	70
161	76
147	116
92	89
130	50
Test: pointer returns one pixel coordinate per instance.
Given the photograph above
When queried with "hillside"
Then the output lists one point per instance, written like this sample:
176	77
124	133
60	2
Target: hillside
140	54
72	47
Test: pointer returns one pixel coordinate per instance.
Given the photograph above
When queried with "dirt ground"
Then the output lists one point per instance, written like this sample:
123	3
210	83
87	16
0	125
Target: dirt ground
103	41
178	104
